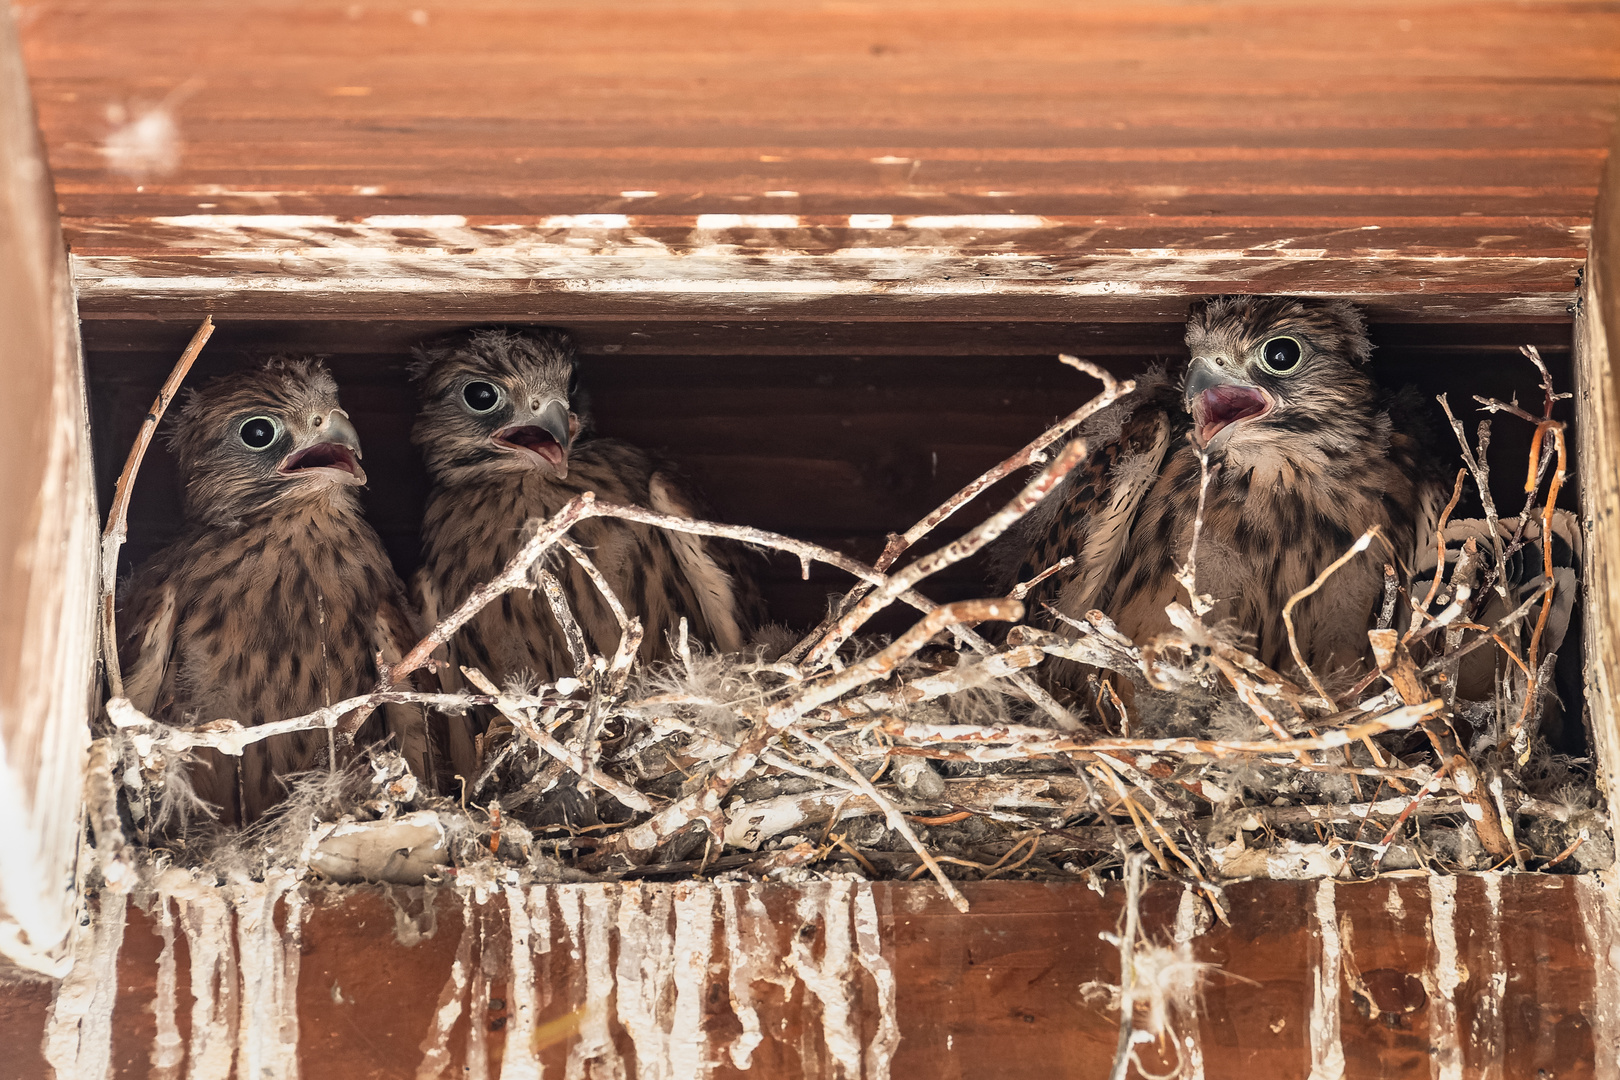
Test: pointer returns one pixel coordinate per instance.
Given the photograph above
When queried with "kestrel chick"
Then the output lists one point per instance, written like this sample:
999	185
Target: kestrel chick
277	597
1306	451
501	432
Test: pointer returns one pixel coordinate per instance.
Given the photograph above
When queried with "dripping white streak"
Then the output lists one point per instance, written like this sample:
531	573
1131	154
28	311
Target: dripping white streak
78	1032
740	977
1192	1048
645	951
1327	1049
1489	1036
1603	943
1445	1063
829	978
519	1061
436	1045
168	1049
588	916
477	1067
206	920
694	942
267	1044
869	950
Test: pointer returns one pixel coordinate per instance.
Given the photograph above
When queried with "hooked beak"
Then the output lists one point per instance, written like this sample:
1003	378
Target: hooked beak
544	436
330	451
1218	401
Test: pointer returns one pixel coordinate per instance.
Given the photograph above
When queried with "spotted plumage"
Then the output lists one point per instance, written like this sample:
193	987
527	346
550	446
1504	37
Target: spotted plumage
505	441
1307	453
277	597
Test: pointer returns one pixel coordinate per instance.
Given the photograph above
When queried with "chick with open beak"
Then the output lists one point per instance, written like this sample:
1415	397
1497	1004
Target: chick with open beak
539	432
325	448
1306	452
504	440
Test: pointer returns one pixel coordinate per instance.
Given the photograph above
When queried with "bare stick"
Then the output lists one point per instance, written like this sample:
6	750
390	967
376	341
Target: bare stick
565	619
953	552
1127	966
1187	573
1482	480
229	737
1440	541
514	576
1021	590
891	815
577	553
1361	544
703	805
112	537
626	794
1112	391
1400	719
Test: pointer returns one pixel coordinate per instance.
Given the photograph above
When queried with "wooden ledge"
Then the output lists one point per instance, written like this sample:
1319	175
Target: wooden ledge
1504	976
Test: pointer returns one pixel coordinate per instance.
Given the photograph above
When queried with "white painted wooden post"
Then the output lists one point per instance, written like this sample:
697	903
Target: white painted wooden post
48	549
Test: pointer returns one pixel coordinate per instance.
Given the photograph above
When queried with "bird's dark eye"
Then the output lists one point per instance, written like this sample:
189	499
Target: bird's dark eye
258	432
1280	355
481	396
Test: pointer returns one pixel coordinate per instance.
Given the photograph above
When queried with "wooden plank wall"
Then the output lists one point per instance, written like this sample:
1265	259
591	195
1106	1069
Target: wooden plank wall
1477	977
848	163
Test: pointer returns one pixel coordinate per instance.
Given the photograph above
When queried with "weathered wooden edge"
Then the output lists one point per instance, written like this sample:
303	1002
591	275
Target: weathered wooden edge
47	545
1477	976
1597	457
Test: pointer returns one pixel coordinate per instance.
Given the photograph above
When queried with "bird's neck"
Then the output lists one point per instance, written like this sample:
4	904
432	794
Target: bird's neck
331	516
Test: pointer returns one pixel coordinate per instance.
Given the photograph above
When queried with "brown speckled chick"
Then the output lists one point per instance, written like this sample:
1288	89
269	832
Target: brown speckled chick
277	597
504	443
1308	452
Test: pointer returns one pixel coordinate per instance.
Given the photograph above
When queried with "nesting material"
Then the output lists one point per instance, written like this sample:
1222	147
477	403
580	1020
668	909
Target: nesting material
941	753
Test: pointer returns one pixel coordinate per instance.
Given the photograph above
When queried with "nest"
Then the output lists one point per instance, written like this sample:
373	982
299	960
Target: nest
939	753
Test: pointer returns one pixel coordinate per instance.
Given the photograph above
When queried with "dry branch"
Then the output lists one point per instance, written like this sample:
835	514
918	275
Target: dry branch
117	528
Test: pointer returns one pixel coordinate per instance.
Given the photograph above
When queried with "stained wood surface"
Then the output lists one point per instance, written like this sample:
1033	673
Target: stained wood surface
47	547
1474	976
1597	446
946	161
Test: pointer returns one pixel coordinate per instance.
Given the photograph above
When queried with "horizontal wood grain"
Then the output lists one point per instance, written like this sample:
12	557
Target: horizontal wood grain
1439	160
1495	975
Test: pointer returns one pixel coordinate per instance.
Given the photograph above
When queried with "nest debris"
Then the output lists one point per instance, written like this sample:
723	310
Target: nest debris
896	759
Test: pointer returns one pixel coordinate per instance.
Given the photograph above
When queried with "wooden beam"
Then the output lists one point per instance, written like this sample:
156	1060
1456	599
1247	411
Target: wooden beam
47	547
554	162
1479	976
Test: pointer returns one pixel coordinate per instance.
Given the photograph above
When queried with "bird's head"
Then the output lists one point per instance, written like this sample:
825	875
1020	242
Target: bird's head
1264	366
258	437
497	400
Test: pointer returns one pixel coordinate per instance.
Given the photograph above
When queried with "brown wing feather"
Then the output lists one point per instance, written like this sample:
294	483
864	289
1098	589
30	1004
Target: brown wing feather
1089	518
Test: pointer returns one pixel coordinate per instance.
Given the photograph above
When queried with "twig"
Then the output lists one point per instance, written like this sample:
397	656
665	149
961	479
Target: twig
1112	391
117	528
703	805
1482	480
953	552
1187	574
229	737
626	794
891	815
1440	544
1361	544
565	620
1127	967
577	553
1021	590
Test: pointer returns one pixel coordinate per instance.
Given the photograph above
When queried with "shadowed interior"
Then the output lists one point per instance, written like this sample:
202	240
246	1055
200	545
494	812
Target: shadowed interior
783	427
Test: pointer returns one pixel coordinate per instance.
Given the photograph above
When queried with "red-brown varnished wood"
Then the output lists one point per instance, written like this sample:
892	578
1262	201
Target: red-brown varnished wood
1495	976
1033	161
